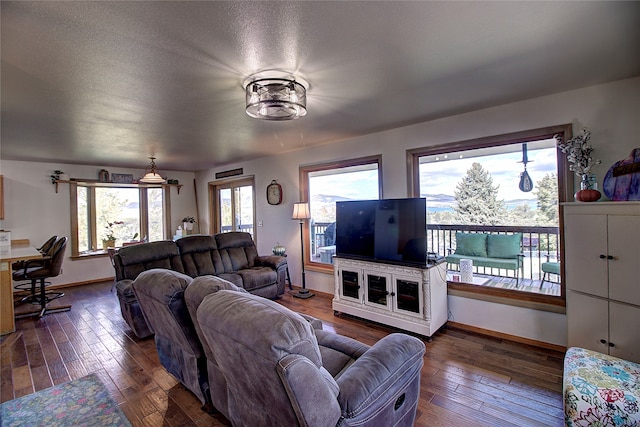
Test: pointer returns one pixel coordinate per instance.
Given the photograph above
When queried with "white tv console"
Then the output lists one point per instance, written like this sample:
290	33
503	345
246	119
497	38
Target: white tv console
409	298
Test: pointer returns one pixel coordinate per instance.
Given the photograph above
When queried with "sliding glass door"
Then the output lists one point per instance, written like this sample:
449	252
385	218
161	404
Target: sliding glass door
234	206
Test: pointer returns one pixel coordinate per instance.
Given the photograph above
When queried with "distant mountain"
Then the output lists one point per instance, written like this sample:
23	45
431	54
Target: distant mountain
325	198
445	201
434	201
439	199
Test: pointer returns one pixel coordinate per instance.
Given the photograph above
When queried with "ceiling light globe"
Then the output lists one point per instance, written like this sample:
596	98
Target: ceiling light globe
276	99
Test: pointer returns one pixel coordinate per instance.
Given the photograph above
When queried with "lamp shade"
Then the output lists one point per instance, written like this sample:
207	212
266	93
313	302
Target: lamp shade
301	211
152	176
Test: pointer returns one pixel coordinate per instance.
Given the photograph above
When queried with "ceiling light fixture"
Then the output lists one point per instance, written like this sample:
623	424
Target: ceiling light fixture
151	174
276	97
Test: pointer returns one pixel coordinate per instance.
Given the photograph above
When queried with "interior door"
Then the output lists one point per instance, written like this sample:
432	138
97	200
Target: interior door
234	206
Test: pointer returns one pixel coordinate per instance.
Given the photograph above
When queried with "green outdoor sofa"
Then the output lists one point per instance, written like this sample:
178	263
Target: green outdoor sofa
490	250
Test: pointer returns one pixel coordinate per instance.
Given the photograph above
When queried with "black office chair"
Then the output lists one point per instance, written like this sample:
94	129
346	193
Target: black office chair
39	269
45	250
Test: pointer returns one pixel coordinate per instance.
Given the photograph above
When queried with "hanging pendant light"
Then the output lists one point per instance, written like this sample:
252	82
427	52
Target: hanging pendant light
151	174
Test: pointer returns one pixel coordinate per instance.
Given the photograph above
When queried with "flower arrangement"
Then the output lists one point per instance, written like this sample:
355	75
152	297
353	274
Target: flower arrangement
109	228
578	152
189	219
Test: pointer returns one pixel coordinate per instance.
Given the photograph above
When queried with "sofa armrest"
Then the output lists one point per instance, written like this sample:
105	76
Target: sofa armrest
274	261
315	323
124	287
311	391
387	368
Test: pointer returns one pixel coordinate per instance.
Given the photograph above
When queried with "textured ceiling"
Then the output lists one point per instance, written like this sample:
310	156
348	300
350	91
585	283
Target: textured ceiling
111	83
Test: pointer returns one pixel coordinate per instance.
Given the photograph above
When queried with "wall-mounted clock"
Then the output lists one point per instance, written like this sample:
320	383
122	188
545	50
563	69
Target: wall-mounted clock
274	193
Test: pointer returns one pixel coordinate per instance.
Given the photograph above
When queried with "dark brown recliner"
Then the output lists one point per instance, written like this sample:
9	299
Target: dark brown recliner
129	262
40	269
230	256
260	275
233	256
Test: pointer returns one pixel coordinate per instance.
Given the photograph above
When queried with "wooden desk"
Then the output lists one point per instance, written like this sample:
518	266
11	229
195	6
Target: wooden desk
8	255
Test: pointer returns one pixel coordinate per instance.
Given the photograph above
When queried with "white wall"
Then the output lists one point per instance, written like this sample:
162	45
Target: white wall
610	111
34	211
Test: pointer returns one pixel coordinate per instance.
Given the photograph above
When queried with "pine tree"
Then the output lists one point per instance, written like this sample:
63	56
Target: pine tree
477	199
547	194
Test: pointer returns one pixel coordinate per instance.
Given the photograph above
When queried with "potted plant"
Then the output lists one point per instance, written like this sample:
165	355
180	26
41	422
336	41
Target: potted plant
187	223
110	239
578	151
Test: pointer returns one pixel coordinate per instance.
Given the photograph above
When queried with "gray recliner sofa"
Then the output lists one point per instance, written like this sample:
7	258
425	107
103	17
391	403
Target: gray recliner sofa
165	303
232	256
169	301
280	371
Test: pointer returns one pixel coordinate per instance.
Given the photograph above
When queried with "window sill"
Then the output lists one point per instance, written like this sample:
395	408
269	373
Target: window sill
508	297
540	302
319	267
90	255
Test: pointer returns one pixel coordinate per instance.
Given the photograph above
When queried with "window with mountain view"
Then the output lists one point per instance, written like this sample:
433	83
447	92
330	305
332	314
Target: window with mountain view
501	186
116	215
357	179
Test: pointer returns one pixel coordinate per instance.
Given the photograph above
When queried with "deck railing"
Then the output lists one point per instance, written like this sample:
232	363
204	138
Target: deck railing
248	228
539	244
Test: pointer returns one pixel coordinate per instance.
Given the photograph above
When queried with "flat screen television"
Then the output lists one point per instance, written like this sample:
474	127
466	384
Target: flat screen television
389	230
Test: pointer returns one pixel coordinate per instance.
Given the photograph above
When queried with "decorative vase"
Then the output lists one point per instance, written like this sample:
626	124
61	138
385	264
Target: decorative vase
279	250
187	226
103	175
588	189
108	244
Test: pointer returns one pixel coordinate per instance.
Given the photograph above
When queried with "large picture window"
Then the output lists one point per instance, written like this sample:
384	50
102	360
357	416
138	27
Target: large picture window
324	184
509	184
127	214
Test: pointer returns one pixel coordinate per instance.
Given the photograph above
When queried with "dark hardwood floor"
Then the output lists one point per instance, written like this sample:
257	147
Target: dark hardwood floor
467	379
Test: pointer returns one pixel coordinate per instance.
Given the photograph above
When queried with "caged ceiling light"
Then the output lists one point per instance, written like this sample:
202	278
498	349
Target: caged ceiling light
276	97
151	174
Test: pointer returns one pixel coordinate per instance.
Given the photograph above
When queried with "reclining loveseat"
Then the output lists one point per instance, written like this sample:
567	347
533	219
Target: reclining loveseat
261	364
231	256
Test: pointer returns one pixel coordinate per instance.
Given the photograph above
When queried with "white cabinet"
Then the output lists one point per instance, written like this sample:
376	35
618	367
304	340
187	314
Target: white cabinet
409	298
602	268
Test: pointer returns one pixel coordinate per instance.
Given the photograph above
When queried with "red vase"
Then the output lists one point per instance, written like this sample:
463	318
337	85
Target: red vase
587	196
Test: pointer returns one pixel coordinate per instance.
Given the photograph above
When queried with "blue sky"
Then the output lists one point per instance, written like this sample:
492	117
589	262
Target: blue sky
360	185
442	176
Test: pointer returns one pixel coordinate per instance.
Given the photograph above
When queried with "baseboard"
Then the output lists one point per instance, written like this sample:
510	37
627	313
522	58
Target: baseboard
515	338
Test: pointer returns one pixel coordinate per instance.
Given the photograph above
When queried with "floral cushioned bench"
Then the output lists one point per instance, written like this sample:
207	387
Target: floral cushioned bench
600	390
489	250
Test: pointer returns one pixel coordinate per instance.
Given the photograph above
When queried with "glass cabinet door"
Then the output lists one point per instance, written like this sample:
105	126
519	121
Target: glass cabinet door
408	295
377	291
350	284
